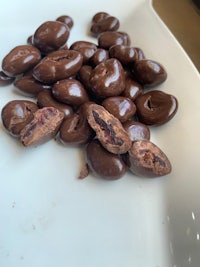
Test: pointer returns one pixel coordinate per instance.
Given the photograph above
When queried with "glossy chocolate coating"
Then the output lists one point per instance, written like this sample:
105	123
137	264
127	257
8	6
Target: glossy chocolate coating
30	40
132	89
99	16
84	75
120	107
109	129
87	49
57	66
29	86
148	160
67	20
64	47
103	163
20	59
50	36
156	107
43	127
137	130
5	79
126	37
99	56
149	72
125	54
140	53
70	91
17	114
108	79
45	99
108	39
104	22
75	130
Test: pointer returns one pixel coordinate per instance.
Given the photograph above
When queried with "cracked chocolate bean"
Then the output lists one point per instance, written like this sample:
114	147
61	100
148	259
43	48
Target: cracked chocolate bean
43	127
109	129
148	160
16	114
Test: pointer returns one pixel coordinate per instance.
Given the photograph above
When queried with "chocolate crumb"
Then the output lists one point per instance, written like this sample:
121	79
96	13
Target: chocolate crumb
84	172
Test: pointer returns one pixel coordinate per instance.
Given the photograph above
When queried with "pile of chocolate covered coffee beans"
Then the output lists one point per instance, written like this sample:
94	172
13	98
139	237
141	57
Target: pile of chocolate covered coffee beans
91	95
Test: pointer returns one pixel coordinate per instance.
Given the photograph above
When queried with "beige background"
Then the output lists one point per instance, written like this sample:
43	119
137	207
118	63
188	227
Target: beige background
183	19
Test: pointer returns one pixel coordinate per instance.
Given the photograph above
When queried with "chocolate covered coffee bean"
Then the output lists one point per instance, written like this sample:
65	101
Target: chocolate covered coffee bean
70	91
156	107
149	72
99	56
87	49
108	39
16	114
66	20
120	107
99	17
84	75
126	38
125	54
137	130
20	59
102	22
102	163
109	129
75	129
43	127
148	160
50	36
29	86
58	65
5	79
140	53
108	79
45	99
132	89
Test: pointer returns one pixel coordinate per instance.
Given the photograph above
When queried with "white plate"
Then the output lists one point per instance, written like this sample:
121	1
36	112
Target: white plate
50	218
